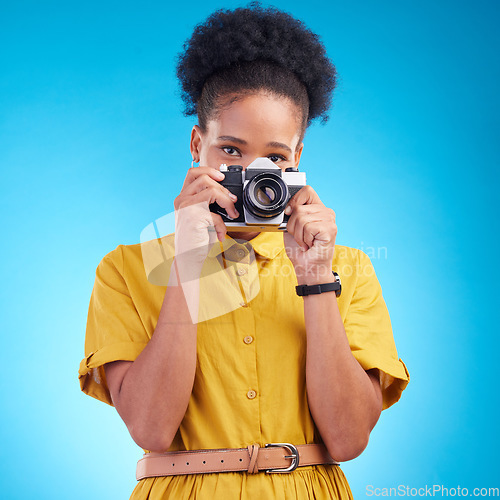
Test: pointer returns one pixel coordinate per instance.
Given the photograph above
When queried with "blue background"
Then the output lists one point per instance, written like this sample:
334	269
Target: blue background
93	147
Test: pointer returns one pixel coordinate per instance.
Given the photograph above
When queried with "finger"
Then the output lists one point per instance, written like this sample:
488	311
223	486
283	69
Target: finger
326	218
294	227
198	185
203	182
194	172
219	226
305	196
306	229
311	230
300	211
213	194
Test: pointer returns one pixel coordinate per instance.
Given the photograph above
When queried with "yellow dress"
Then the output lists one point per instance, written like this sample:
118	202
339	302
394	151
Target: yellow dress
250	382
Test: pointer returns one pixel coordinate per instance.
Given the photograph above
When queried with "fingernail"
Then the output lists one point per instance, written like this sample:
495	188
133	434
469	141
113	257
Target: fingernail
233	196
220	174
288	210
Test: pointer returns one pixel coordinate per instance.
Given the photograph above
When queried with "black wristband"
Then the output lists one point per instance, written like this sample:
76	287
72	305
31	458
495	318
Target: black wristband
336	287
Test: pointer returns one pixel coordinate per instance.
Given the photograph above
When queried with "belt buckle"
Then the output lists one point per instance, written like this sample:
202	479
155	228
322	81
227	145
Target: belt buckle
294	456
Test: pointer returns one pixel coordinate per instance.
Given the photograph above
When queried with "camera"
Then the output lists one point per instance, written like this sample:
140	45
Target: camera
263	191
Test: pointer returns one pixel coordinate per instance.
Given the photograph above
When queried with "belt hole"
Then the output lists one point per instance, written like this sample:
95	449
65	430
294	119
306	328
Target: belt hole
187	463
241	460
222	461
173	465
204	462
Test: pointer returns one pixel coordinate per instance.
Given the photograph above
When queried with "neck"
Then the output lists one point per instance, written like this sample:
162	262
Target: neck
242	235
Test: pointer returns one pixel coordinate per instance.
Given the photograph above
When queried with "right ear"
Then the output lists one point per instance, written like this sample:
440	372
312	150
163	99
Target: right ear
195	145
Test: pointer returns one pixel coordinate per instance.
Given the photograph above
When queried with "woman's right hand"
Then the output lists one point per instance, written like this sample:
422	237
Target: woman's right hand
202	187
195	225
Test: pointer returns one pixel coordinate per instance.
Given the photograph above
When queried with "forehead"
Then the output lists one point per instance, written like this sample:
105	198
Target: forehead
258	118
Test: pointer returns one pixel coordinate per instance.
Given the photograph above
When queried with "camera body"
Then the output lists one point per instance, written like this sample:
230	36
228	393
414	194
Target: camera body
263	191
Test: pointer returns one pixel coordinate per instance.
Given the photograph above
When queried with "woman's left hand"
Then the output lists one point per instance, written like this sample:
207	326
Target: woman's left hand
310	236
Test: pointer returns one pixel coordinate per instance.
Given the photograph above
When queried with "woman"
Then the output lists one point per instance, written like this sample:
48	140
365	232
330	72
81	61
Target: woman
312	371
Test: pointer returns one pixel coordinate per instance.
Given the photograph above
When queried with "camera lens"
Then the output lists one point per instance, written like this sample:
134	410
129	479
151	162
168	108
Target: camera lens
265	195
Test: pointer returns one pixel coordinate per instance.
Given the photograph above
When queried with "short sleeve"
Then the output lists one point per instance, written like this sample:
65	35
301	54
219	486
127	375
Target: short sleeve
114	328
369	330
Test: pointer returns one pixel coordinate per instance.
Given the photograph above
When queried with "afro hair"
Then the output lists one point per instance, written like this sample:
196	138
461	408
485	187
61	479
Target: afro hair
248	41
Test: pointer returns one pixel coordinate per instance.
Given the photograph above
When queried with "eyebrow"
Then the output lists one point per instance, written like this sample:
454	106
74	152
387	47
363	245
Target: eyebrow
279	145
272	144
230	138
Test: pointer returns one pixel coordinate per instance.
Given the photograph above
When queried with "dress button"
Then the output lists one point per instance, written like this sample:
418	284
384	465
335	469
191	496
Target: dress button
243	304
241	253
248	339
241	272
251	394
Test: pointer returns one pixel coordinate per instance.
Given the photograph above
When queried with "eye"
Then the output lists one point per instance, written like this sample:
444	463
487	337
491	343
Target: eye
276	158
230	150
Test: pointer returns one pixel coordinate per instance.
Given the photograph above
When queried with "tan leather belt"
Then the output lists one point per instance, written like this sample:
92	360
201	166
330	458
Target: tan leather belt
275	457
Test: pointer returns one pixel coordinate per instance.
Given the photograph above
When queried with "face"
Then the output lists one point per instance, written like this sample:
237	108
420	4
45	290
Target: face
252	126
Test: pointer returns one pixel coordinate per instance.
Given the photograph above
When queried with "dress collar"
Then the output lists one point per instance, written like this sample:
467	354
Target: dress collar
267	244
